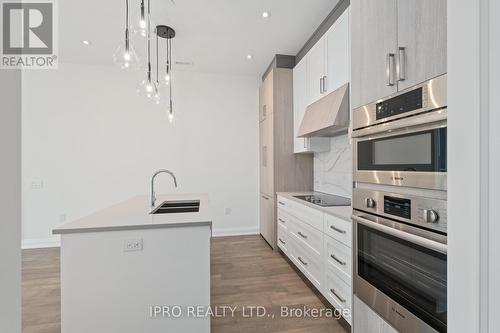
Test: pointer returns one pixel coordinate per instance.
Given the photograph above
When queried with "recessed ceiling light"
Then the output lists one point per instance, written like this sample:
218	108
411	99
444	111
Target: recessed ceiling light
266	14
86	42
249	57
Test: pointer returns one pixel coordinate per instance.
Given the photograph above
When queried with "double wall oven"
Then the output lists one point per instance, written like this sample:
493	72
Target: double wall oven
399	214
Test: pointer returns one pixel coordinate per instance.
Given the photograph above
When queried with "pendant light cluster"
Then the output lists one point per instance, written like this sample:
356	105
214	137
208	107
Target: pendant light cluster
125	57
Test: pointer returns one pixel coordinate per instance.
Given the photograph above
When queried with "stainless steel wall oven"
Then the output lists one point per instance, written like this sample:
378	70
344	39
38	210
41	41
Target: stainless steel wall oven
401	140
400	251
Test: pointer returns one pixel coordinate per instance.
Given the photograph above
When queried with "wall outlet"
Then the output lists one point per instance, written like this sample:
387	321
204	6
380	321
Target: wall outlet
227	211
36	184
131	245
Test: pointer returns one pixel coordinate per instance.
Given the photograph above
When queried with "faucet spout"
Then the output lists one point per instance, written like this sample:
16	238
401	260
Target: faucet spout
153	195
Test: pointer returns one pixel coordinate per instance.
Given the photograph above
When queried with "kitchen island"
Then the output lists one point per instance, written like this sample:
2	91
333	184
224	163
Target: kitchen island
122	265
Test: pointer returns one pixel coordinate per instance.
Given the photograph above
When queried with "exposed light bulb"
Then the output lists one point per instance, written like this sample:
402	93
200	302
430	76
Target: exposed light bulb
142	23
266	14
170	117
127	56
167	78
149	87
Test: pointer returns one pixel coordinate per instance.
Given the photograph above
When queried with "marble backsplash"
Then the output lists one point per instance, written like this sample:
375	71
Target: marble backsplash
333	169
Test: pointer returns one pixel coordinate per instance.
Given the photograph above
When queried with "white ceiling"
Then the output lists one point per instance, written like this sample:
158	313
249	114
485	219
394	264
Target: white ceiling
216	35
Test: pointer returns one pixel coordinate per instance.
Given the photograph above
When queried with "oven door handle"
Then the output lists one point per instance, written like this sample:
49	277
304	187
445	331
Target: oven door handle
424	242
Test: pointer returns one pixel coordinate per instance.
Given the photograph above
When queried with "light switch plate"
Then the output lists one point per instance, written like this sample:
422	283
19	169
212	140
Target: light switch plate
131	245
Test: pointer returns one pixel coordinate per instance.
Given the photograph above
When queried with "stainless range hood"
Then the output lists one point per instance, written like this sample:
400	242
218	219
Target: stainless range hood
328	116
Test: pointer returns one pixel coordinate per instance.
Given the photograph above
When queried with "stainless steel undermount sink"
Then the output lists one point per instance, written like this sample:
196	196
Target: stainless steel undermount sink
172	207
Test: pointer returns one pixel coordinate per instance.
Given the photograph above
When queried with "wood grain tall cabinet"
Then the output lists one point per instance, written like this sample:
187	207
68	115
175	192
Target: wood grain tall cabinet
280	169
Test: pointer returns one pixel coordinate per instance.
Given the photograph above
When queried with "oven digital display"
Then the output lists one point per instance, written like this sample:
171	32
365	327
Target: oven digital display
398	207
407	102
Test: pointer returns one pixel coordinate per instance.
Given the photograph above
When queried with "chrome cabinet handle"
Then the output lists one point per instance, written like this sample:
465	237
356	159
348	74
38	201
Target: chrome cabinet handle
282	221
321	85
343	300
337	229
324	83
302	235
402	64
389	67
410	237
266	198
281	203
343	263
281	241
302	261
264	110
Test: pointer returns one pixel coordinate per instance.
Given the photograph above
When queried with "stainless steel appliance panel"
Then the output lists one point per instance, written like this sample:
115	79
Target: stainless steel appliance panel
400	272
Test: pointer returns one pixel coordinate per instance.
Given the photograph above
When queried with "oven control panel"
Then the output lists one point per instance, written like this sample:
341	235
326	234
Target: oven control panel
410	101
429	213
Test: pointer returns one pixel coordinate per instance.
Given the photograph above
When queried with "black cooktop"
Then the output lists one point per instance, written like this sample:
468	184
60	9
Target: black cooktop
325	200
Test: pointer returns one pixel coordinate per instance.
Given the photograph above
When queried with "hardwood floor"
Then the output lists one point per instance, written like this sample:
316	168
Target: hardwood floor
245	272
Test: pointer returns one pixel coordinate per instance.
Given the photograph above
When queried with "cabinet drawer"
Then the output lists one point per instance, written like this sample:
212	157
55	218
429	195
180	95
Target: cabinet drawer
283	239
283	219
338	293
309	263
311	216
338	257
338	229
306	235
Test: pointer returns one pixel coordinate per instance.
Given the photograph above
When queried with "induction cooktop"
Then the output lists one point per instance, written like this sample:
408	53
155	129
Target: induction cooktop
325	200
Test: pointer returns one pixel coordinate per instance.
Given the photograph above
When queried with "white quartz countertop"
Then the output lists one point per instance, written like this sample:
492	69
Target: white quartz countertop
134	213
343	212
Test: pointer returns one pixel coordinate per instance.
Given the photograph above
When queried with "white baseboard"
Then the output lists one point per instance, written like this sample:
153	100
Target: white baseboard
39	243
221	232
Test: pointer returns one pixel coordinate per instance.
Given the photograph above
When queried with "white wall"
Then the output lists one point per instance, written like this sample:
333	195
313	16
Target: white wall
473	141
10	201
93	142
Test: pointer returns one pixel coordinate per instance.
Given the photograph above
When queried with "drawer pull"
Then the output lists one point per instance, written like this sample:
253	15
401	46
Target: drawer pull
302	261
281	203
281	241
282	221
337	295
337	260
302	235
337	229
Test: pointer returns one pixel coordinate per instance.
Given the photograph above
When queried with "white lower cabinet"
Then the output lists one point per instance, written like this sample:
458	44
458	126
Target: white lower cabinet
320	252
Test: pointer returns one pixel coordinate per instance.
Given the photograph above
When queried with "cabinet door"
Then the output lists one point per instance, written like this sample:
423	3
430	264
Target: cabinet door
337	54
267	222
373	50
267	95
316	71
422	41
266	156
299	104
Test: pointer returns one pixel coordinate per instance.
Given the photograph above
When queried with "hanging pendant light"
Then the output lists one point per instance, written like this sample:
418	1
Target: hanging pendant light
148	87
125	56
168	33
139	26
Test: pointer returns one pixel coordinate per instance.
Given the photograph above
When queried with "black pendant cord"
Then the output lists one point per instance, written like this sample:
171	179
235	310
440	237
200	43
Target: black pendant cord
157	60
170	68
127	40
149	41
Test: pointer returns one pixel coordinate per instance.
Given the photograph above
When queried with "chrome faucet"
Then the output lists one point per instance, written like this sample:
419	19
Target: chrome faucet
153	196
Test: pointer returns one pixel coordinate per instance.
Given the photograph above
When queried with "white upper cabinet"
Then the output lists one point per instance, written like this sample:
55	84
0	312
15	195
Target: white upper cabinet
322	70
300	103
396	44
337	54
316	63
